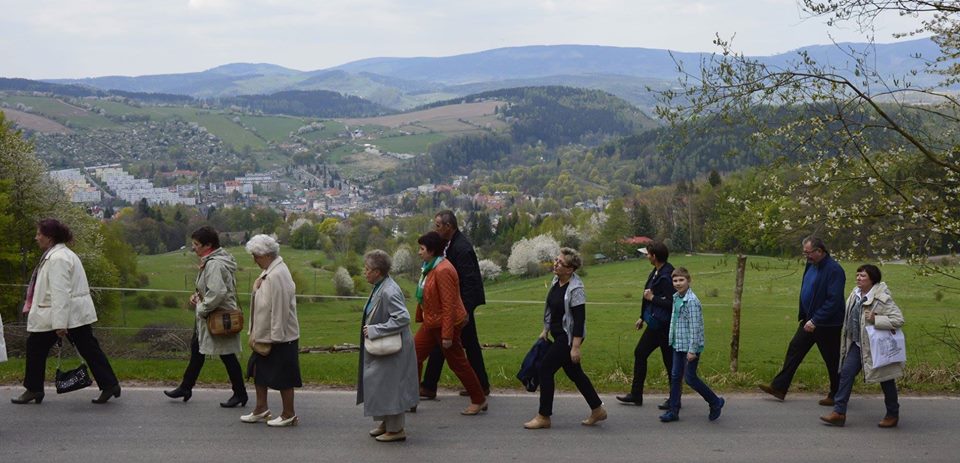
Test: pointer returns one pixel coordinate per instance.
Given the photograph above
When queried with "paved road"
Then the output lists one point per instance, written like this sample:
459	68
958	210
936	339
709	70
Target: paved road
144	426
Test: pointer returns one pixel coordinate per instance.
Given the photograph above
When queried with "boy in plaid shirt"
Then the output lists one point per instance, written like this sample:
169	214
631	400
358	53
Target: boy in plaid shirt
686	338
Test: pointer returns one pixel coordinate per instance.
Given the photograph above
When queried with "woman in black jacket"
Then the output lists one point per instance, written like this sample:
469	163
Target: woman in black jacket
655	313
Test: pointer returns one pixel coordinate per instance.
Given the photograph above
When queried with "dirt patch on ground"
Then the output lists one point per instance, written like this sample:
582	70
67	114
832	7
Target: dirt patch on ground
35	123
455	111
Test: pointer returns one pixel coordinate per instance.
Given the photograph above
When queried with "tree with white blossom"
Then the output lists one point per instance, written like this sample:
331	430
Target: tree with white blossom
529	256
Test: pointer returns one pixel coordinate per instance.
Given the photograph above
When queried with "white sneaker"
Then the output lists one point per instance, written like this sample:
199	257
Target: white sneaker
256	417
281	421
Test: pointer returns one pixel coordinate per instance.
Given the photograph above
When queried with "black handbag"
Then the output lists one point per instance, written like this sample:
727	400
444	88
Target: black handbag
71	380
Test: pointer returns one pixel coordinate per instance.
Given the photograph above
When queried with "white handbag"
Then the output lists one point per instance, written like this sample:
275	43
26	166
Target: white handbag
384	345
886	346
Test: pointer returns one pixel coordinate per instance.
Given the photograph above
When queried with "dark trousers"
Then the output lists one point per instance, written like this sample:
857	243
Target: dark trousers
38	347
827	340
196	364
471	344
557	357
686	370
650	340
852	364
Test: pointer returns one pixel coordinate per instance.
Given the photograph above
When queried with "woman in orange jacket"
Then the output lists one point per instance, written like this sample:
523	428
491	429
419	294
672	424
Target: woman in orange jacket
441	315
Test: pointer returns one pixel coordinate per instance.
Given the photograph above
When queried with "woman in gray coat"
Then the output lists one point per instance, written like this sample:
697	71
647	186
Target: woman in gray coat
216	288
387	385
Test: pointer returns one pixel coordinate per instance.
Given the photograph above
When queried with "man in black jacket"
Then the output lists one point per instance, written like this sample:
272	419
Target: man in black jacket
460	253
655	313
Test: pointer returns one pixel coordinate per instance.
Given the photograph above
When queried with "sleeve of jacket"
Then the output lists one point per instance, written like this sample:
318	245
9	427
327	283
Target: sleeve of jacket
391	300
836	281
282	297
887	316
215	289
696	324
449	288
464	259
58	283
663	293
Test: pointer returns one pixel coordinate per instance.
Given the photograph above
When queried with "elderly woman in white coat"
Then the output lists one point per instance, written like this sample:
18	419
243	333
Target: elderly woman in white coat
216	288
387	385
870	303
58	304
273	333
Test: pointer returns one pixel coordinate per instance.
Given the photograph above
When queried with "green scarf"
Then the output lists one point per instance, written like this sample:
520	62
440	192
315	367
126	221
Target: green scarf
424	270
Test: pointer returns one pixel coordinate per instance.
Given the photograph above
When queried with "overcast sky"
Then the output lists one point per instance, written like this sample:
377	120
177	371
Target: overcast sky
88	38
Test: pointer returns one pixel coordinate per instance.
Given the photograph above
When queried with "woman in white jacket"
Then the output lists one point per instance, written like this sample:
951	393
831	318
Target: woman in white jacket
58	304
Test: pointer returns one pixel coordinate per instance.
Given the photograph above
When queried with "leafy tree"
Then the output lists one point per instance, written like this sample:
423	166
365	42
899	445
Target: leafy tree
342	283
640	221
881	172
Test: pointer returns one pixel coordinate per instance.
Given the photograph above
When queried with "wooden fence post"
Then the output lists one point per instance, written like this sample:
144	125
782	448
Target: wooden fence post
737	301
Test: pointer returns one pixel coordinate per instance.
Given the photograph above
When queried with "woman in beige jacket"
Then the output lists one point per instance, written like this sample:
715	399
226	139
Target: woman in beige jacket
58	304
274	333
870	303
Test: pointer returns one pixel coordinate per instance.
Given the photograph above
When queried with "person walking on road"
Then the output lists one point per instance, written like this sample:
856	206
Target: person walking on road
655	313
460	253
869	304
216	287
273	333
564	318
386	384
59	305
820	319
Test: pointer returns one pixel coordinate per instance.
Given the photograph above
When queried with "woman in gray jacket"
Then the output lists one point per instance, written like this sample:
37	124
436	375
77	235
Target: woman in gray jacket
274	333
387	385
870	303
216	288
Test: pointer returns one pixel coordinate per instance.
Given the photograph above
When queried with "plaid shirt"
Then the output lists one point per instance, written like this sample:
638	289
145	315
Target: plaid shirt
686	323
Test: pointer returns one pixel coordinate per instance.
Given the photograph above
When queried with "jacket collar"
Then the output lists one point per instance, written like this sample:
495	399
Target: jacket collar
273	265
575	281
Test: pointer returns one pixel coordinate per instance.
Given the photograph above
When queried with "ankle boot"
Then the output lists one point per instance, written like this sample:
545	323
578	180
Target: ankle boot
179	392
107	393
834	419
596	415
238	398
28	396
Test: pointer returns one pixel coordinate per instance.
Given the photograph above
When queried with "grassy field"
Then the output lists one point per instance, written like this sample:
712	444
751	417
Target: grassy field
413	144
61	112
275	128
510	321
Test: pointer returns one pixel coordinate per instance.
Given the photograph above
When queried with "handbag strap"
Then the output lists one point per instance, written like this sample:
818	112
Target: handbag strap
60	350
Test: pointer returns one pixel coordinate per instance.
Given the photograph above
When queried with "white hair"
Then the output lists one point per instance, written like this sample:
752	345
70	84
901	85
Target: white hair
263	245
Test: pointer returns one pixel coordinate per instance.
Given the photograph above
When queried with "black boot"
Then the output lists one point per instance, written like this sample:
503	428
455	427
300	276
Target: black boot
631	399
179	392
28	396
238	398
107	393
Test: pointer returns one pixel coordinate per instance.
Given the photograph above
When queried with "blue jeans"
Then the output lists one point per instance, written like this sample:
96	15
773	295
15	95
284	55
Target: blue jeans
682	369
852	364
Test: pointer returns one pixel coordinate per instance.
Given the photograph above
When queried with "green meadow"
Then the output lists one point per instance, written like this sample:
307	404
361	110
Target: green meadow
510	321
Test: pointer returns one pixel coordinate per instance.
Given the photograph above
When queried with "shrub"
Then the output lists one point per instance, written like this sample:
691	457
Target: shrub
170	301
342	283
527	255
147	302
404	262
489	269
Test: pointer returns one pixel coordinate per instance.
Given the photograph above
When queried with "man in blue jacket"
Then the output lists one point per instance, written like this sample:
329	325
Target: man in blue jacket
820	320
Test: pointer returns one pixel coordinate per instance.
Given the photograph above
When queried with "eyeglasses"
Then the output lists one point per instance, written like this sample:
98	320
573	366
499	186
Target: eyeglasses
810	252
438	225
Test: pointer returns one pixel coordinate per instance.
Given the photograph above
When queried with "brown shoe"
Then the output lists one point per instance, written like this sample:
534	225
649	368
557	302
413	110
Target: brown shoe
774	392
427	394
826	401
597	415
392	436
834	419
889	422
538	422
474	409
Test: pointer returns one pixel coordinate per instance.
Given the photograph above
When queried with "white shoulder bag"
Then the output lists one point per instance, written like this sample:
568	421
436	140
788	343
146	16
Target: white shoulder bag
384	345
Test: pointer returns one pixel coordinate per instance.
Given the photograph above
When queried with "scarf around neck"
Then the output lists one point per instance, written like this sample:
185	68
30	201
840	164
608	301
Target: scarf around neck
424	270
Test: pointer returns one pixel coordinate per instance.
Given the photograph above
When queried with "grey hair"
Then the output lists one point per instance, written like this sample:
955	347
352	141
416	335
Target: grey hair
263	245
378	260
571	258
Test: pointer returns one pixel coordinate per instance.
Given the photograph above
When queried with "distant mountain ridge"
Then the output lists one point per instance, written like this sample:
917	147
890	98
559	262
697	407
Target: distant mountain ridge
403	83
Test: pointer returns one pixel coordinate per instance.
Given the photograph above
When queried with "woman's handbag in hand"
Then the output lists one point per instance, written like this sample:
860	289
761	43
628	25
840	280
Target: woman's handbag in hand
262	348
71	380
886	346
385	345
225	322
